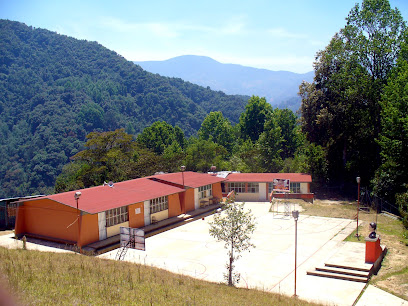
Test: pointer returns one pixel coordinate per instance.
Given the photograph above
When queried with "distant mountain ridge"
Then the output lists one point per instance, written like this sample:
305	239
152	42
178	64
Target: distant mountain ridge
55	89
279	87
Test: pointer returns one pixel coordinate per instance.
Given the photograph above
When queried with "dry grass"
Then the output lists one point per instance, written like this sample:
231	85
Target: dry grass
393	276
41	278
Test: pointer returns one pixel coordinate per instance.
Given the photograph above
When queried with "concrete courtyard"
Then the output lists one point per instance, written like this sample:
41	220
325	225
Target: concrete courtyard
190	250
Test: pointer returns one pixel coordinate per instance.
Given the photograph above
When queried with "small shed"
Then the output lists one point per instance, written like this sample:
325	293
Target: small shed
8	211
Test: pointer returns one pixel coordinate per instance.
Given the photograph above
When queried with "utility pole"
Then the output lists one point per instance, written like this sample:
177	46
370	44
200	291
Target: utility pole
77	196
295	215
358	179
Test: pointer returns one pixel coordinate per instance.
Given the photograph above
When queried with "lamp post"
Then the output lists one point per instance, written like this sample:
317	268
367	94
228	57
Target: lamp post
295	215
77	196
182	168
358	179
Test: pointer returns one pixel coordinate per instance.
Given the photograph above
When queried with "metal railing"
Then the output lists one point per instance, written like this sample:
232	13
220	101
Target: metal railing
373	201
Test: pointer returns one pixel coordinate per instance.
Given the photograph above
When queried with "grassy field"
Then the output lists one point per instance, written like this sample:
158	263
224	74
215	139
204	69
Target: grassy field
42	278
393	276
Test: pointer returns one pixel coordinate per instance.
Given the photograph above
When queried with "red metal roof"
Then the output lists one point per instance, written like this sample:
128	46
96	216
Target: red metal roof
102	198
268	177
191	179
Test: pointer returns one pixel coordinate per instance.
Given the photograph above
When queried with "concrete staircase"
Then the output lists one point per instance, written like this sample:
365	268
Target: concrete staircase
348	273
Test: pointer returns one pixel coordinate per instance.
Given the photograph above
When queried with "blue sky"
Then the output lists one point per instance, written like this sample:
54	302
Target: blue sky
275	35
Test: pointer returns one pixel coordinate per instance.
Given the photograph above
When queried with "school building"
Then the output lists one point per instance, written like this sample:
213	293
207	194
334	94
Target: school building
92	215
258	186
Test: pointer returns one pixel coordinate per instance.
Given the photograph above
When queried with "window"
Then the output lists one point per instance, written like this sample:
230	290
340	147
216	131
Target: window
205	191
159	204
253	187
116	216
295	187
11	209
237	187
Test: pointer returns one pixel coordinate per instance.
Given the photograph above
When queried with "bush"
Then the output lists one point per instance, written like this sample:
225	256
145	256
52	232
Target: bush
402	201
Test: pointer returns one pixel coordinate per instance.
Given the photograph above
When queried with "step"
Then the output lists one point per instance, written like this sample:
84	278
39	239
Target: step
343	272
347	267
339	276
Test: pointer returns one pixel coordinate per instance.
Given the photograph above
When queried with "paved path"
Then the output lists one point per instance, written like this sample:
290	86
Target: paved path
189	250
375	296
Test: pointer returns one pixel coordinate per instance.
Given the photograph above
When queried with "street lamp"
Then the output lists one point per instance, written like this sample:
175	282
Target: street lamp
358	179
77	196
182	168
295	215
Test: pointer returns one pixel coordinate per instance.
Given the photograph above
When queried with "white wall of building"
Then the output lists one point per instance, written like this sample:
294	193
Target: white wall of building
262	191
196	202
147	213
102	225
303	187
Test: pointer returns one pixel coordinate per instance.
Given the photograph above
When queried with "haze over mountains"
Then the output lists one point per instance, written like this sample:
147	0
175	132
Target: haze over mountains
279	87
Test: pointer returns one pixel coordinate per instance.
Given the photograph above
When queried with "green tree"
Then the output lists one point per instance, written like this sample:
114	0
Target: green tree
392	176
252	120
402	202
159	136
246	157
286	120
340	109
114	156
107	155
202	154
270	146
218	129
234	227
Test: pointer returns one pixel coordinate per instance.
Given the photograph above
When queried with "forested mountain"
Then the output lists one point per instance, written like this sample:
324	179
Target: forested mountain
55	89
280	88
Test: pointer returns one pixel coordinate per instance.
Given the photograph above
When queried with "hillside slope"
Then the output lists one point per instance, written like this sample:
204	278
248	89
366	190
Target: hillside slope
277	86
56	89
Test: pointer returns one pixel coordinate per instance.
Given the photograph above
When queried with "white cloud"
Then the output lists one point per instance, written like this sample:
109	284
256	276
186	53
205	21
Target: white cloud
172	30
283	33
155	28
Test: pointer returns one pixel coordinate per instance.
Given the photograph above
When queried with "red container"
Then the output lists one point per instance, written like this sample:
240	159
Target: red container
373	249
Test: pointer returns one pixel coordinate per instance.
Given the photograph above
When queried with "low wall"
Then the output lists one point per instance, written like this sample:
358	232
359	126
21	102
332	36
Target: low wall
304	196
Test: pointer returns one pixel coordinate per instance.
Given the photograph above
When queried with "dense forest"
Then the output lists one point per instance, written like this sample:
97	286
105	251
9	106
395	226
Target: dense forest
264	140
353	122
54	90
64	100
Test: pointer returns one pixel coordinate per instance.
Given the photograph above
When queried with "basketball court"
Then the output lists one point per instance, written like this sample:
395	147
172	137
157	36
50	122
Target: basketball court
190	250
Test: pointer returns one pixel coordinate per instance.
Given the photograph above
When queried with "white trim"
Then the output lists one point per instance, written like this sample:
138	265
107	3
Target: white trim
196	203
262	191
147	212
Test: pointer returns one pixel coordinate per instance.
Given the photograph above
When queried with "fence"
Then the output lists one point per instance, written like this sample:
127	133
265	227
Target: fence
368	199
